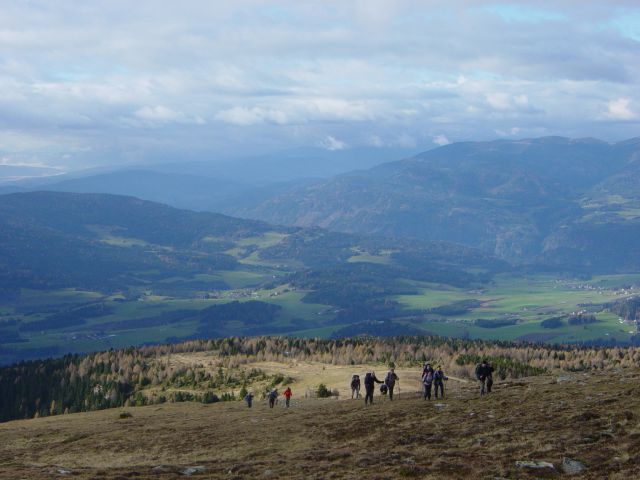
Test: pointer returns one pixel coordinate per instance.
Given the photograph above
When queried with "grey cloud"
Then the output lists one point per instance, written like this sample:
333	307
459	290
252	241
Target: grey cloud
124	81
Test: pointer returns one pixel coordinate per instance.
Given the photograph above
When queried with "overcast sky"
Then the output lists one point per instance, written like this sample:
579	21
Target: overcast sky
86	83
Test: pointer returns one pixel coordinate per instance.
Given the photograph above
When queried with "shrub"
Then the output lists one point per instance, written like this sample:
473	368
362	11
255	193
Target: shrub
323	391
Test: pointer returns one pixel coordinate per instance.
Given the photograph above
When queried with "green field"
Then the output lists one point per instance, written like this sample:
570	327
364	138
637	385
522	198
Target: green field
528	300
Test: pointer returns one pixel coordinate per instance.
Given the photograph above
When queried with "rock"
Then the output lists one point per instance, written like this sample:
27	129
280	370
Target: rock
191	470
267	473
440	406
572	467
63	471
534	464
409	461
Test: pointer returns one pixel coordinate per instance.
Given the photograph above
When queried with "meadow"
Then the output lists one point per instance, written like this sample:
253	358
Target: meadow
525	301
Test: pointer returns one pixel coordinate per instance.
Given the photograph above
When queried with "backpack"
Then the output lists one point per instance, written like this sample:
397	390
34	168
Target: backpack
383	389
428	377
479	370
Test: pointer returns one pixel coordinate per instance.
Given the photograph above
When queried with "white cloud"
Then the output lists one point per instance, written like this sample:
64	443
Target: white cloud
499	101
619	109
332	143
375	141
441	140
243	116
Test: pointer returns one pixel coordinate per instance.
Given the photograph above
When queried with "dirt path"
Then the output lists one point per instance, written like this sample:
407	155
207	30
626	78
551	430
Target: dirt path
594	419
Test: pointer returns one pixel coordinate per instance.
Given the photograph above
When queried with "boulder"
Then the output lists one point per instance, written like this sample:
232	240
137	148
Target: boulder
572	467
538	464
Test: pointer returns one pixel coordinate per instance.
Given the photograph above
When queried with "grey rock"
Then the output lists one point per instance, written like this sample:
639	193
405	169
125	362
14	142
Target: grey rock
572	467
191	470
534	464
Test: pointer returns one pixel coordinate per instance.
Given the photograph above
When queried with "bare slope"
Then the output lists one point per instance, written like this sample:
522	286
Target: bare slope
592	418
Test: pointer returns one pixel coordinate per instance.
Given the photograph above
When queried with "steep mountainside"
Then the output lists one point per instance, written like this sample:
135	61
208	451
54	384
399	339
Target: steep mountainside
551	200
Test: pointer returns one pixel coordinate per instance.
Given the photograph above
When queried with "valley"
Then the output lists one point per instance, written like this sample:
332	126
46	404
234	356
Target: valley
129	272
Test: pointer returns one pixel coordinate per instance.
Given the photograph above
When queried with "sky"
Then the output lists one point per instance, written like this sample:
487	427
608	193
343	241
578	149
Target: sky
85	84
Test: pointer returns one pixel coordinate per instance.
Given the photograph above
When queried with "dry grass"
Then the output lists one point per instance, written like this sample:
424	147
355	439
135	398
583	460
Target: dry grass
592	418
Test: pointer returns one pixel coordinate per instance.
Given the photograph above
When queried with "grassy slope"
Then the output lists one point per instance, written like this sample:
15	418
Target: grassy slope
592	418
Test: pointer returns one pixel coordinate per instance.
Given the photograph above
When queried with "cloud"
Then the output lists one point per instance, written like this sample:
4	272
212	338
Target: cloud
619	109
332	143
162	114
243	116
441	140
117	81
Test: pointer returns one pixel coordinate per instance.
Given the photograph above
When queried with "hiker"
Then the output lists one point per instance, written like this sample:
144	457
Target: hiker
427	380
390	381
484	374
370	380
438	381
273	396
249	399
287	397
355	386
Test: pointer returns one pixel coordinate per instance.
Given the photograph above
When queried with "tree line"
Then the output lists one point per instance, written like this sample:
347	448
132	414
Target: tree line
116	378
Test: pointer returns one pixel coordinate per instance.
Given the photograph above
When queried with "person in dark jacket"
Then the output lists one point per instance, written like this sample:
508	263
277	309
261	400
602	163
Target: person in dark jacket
427	380
438	381
249	399
355	386
273	397
370	381
390	382
484	374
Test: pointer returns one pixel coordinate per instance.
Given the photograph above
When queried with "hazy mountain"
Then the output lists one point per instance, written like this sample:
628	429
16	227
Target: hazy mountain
194	192
219	186
552	199
291	165
12	173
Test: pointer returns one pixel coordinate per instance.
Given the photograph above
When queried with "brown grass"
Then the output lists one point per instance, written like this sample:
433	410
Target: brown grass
593	418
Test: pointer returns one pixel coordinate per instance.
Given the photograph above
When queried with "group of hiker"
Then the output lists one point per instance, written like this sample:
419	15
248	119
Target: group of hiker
432	379
273	397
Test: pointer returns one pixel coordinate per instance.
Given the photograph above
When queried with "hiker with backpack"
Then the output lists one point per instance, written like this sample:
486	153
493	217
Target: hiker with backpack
370	380
427	380
355	386
287	397
249	399
484	374
390	381
438	381
273	396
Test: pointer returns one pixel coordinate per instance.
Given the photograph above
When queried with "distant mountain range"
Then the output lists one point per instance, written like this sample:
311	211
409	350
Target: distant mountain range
553	201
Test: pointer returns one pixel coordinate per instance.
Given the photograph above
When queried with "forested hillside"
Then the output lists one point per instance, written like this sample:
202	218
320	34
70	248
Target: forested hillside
551	201
223	370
